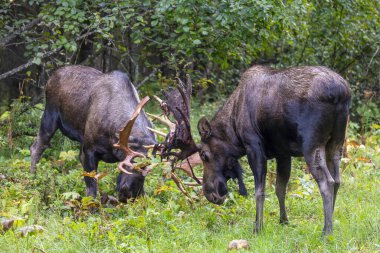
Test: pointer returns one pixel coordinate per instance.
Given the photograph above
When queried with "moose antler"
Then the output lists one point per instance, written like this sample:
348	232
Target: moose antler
122	144
164	120
188	164
177	103
124	134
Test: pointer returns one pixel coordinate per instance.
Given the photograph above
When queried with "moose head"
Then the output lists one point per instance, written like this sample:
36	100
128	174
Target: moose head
220	162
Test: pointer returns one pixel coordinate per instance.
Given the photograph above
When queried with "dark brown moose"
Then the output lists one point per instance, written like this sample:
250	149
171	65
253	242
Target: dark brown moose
300	111
91	107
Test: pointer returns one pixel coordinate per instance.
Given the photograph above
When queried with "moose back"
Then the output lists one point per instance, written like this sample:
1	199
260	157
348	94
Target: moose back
90	107
278	114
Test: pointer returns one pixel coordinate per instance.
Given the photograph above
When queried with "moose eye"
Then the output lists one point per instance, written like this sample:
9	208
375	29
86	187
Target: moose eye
204	156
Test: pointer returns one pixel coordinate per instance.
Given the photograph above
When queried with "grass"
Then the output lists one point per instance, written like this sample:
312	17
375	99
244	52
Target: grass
164	221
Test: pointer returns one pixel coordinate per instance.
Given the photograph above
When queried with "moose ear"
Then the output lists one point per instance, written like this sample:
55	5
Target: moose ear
204	128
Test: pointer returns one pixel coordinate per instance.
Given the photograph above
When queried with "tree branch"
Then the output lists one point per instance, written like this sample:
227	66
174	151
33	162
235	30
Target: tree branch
26	65
30	62
354	59
150	75
11	37
146	79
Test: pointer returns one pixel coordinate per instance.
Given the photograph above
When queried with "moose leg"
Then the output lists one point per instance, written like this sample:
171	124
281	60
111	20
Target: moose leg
257	162
333	161
334	149
283	175
47	129
316	161
89	163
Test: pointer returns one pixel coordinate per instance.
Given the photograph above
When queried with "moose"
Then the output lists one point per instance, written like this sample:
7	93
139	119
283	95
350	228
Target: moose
104	114
300	111
91	107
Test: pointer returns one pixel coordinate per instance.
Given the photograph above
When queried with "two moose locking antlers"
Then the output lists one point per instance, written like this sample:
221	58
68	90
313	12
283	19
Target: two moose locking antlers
177	104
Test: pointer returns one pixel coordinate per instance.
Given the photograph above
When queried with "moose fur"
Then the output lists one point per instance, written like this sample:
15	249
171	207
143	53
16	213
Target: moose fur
91	107
278	114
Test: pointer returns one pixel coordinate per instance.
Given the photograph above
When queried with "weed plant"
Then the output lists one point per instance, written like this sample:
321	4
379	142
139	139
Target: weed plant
163	220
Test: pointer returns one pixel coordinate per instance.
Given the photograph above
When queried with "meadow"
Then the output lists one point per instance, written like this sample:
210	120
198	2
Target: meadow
52	214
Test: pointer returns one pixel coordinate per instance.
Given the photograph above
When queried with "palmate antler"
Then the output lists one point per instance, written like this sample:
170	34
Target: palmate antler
187	166
177	103
124	134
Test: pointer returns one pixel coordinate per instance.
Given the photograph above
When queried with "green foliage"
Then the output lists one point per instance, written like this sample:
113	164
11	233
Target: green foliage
213	40
19	126
368	114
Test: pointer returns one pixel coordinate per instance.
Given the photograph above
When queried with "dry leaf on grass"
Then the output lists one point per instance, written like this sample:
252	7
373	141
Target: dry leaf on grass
238	244
6	225
33	230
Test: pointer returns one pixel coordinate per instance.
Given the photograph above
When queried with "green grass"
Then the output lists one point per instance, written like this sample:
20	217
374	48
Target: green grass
164	221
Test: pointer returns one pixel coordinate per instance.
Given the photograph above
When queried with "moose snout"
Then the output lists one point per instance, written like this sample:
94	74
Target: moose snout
216	192
130	186
124	193
216	198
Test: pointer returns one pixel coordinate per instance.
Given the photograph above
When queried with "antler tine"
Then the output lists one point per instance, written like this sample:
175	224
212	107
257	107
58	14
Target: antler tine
180	81
189	83
156	131
185	91
177	103
120	167
158	99
124	134
188	164
179	184
164	120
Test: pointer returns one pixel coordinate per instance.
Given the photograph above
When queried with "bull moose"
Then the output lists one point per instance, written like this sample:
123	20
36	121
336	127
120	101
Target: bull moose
300	111
90	107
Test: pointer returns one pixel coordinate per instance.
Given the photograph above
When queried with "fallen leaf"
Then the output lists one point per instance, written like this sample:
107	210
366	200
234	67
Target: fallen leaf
238	244
6	225
364	159
89	174
72	203
33	230
162	189
93	174
100	175
89	203
353	143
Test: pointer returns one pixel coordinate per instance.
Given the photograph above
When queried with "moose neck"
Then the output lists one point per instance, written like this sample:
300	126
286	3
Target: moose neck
224	123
